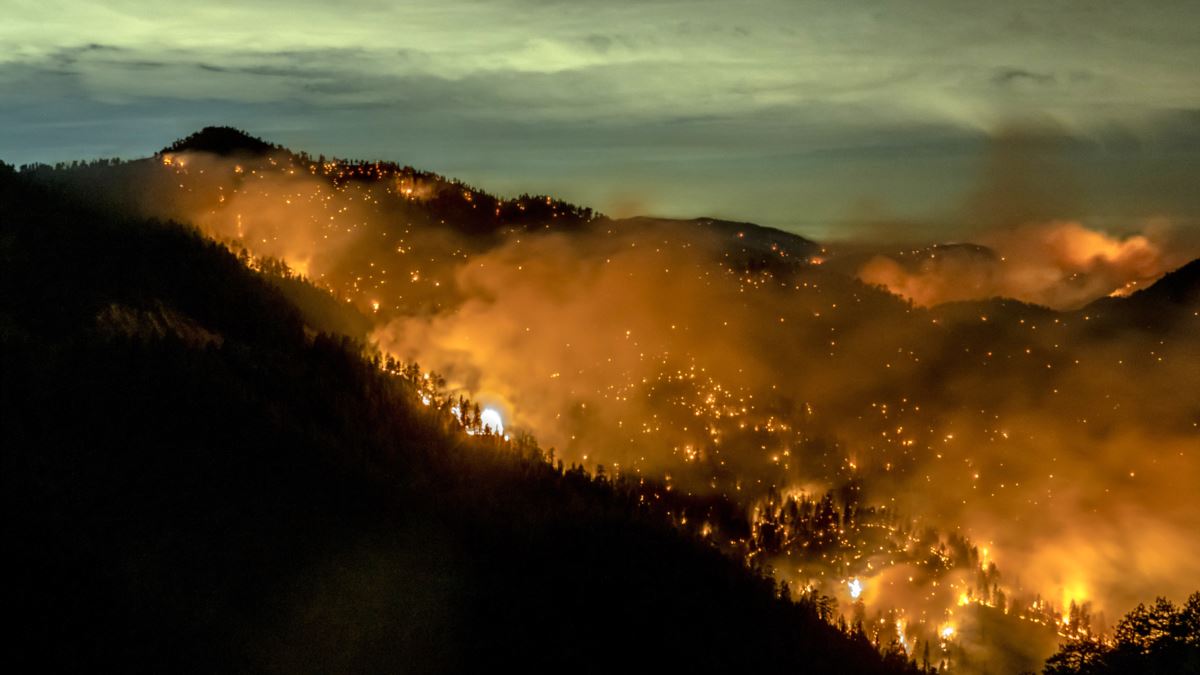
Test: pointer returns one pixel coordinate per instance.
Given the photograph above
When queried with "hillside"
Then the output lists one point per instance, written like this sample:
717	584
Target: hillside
198	481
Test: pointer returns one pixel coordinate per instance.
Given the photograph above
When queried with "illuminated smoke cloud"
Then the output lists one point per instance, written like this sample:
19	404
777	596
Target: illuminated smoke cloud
1059	264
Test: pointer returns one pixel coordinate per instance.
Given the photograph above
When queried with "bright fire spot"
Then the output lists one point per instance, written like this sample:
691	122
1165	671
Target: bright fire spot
490	419
1075	592
855	588
947	632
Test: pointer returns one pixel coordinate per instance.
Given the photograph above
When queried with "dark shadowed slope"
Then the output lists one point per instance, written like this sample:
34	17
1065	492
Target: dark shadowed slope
1156	308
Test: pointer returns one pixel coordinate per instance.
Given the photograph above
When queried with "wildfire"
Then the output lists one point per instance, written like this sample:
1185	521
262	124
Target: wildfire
707	414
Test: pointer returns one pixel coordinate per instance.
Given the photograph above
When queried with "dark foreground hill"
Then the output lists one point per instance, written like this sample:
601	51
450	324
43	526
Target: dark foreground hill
196	480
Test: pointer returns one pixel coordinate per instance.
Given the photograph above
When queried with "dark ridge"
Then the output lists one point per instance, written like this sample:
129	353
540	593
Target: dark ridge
1158	307
752	232
996	309
1177	287
747	246
222	141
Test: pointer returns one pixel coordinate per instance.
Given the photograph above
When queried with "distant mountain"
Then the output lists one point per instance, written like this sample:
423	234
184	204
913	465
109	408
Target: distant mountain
748	237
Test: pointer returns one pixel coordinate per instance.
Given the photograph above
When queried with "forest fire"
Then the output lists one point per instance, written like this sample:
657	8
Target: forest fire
658	385
869	442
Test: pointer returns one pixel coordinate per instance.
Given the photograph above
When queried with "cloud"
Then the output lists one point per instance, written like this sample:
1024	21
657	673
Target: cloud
877	56
1014	76
775	112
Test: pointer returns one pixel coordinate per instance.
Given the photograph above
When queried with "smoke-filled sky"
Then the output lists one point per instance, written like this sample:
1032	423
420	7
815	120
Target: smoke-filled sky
818	117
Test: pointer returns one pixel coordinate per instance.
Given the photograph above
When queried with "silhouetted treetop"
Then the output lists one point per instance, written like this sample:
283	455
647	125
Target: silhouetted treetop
221	141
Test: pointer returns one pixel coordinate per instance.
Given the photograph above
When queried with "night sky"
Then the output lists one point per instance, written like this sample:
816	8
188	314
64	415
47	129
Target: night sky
825	118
